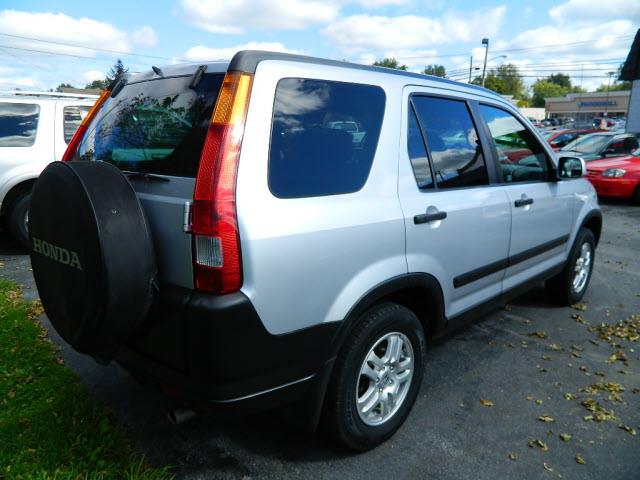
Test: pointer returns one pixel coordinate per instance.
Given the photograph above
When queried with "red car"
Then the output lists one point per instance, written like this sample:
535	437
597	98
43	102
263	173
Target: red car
617	177
559	138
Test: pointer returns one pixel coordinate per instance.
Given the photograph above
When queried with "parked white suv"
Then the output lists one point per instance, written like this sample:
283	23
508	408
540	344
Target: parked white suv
227	240
35	128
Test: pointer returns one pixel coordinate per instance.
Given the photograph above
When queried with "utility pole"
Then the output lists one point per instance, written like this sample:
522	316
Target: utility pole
606	103
470	67
485	42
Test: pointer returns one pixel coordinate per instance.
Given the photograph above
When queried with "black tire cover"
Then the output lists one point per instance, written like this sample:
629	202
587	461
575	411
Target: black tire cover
92	255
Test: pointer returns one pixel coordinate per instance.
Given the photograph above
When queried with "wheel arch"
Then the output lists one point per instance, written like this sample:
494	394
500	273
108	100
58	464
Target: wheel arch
593	222
14	192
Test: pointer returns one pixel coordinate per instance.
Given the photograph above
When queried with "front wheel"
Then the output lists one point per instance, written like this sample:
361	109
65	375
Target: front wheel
18	220
570	285
376	378
635	198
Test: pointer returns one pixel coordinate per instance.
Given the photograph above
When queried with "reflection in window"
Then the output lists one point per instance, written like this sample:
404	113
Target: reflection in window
155	126
453	142
418	153
73	116
18	124
521	156
323	137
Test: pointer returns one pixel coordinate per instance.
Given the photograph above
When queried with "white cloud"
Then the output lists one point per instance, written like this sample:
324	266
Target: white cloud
381	3
10	83
58	27
145	37
236	16
594	11
200	52
411	31
92	75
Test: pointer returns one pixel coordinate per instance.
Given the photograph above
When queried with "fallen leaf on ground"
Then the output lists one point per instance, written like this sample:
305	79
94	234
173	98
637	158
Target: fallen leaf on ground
539	334
486	403
579	318
582	306
569	396
628	429
555	346
565	437
545	418
512	456
547	467
538	443
580	459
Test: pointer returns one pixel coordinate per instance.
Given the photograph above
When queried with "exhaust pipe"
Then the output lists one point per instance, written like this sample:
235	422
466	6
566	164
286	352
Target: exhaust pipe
176	416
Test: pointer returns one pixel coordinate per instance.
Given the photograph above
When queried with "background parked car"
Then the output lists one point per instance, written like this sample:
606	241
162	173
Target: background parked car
617	177
559	138
600	145
35	129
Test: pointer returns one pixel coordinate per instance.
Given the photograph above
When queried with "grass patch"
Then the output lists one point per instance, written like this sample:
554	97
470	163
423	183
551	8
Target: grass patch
50	426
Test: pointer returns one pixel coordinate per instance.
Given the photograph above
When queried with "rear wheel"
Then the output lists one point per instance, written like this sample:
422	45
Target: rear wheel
18	220
570	285
376	378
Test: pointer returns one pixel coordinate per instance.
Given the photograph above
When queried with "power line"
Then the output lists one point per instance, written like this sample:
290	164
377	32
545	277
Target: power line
76	45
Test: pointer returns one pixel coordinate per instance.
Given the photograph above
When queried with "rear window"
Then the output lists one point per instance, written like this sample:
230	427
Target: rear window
18	124
324	136
155	126
73	116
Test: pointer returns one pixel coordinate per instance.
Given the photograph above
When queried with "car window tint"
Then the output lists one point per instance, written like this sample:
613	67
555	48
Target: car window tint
73	116
324	136
418	153
452	140
18	124
522	158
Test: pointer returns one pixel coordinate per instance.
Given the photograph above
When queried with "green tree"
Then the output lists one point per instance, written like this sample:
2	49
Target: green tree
437	70
560	79
99	84
544	89
506	80
63	85
389	63
116	71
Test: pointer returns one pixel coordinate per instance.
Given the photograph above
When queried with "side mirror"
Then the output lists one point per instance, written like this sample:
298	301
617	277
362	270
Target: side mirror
571	167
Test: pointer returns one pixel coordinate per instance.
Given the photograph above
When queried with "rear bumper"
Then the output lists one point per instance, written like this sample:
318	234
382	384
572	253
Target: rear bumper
614	187
214	351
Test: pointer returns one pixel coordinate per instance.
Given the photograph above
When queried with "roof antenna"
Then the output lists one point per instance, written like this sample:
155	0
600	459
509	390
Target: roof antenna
157	71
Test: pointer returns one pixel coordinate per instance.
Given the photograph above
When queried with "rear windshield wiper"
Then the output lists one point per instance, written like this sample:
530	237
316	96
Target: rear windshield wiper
145	176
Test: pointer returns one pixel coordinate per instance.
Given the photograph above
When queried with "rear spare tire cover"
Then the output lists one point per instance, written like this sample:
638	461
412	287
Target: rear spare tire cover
92	255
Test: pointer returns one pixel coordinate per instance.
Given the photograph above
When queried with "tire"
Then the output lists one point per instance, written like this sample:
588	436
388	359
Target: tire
566	288
92	255
18	219
635	198
342	418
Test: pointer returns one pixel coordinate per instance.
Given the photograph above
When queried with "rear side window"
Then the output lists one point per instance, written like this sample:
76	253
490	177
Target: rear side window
453	142
18	124
155	126
521	156
323	137
73	116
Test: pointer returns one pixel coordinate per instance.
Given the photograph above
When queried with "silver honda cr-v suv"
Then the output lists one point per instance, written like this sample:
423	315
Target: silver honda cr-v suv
284	230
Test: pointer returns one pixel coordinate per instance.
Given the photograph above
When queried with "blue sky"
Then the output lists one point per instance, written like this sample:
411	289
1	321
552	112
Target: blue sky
44	43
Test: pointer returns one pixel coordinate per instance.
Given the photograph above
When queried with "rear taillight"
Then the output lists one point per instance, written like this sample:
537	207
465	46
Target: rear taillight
72	148
216	244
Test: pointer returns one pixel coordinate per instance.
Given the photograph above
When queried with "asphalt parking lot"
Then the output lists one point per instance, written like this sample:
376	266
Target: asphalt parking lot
529	360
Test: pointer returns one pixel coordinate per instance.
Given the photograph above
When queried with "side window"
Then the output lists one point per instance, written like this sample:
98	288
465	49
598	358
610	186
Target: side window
452	140
418	153
18	124
73	116
522	158
324	136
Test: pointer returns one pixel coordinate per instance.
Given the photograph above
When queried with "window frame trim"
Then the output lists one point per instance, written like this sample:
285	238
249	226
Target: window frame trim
470	104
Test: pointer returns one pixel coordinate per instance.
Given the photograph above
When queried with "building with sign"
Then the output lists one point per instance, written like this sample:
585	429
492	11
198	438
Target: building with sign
584	107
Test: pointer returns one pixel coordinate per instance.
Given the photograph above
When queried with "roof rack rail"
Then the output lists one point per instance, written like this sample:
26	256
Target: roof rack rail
24	93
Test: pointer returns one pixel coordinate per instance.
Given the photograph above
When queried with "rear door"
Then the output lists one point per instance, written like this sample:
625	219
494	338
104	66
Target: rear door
154	129
542	208
457	221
